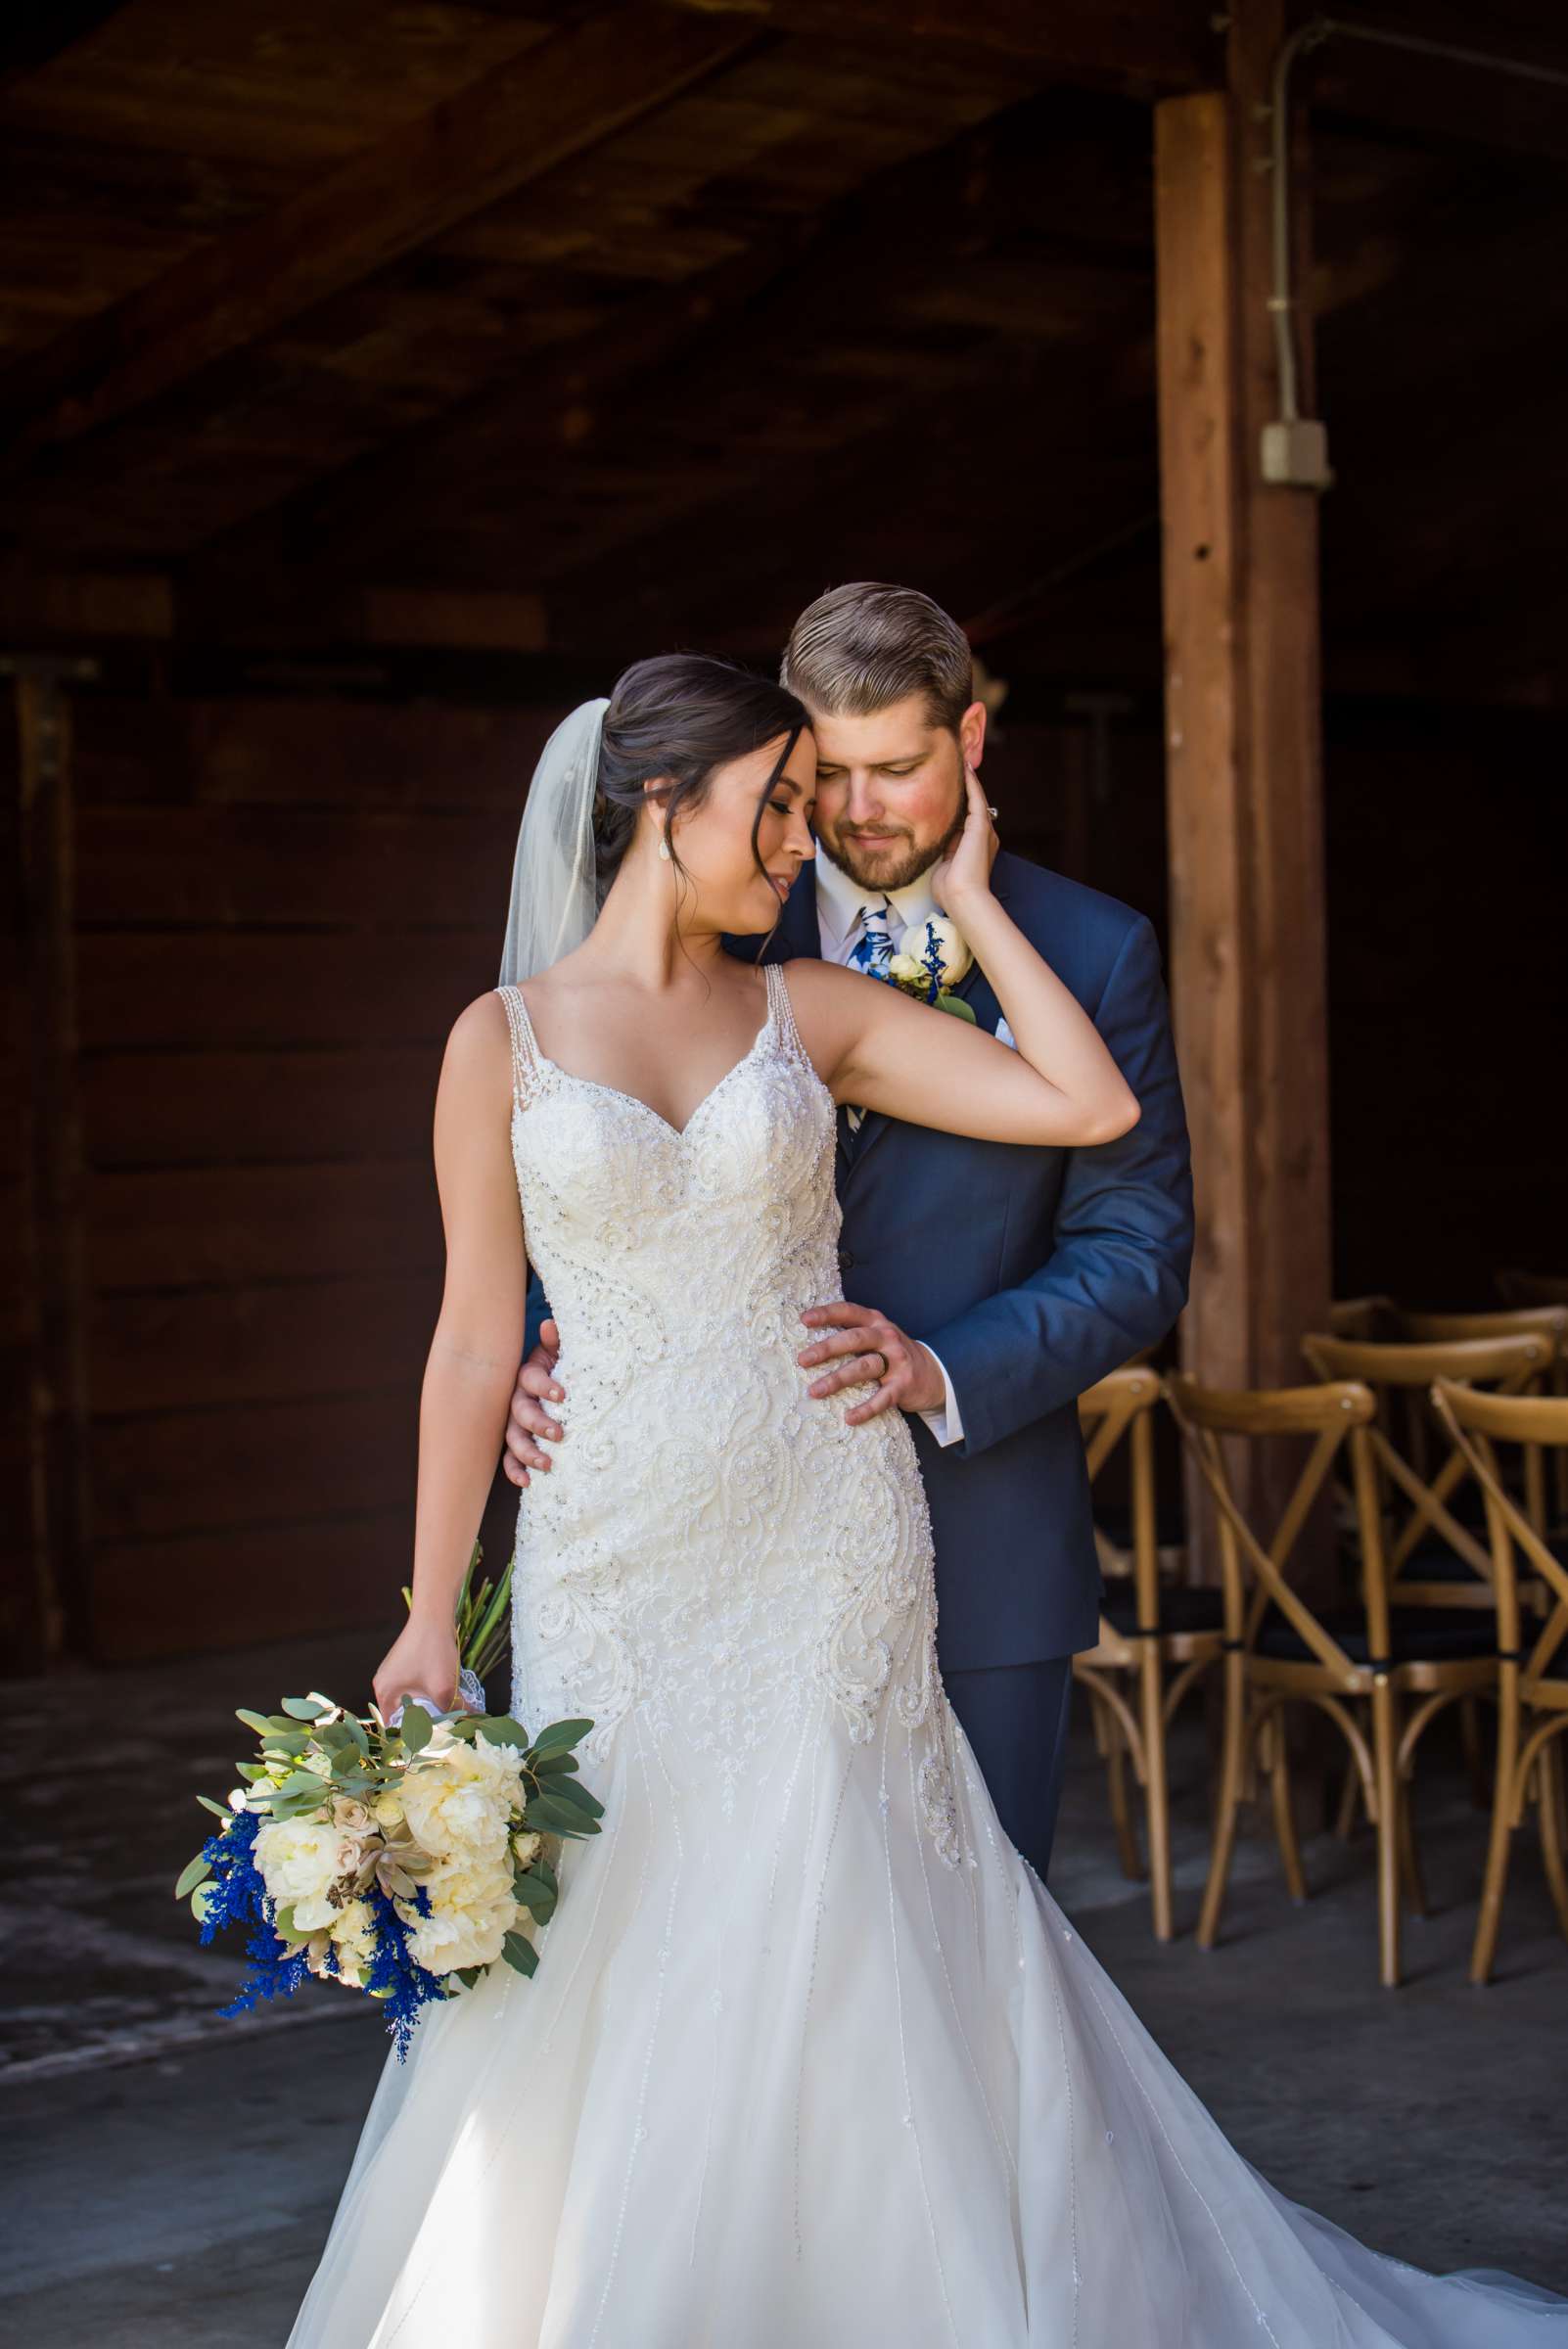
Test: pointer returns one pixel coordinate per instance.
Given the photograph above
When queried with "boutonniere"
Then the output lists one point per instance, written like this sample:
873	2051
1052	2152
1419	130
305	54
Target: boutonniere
930	960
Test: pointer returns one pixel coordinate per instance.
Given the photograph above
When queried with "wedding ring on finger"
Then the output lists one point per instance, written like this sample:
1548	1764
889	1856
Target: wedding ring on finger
991	811
883	1360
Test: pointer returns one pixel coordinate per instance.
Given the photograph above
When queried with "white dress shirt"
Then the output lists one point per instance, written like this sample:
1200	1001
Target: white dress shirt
839	902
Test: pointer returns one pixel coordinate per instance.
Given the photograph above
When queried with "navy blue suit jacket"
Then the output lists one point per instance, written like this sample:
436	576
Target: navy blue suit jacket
1032	1272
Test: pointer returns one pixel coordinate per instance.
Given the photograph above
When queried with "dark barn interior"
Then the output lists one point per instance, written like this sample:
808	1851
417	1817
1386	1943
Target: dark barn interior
376	381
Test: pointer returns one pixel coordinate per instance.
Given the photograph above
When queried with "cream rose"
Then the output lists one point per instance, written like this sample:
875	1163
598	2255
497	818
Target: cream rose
527	1847
950	945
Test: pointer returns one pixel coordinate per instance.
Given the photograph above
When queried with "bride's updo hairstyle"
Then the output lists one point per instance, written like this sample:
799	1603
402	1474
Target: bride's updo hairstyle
681	716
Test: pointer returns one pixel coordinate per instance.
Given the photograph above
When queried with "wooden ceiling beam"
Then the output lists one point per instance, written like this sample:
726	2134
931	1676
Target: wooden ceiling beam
514	444
552	100
1150	46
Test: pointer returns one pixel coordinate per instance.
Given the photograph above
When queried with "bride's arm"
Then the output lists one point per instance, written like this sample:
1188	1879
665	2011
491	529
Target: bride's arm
474	1354
879	1049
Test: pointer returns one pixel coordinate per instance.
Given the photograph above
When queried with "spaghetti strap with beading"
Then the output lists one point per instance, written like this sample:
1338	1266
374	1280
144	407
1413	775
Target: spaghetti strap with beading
526	1053
783	1012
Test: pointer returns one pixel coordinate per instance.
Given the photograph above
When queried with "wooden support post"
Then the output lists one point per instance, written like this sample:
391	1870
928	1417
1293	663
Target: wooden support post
1244	761
46	1607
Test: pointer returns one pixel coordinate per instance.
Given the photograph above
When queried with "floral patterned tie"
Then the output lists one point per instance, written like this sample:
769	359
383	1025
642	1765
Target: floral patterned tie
873	949
871	952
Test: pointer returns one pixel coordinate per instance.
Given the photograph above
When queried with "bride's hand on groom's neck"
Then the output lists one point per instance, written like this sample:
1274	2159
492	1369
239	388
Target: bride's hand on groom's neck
964	873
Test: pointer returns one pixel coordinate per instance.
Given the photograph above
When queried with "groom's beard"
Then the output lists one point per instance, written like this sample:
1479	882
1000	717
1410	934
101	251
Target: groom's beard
895	866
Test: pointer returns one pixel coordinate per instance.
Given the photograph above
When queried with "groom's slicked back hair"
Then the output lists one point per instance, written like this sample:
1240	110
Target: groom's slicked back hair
860	648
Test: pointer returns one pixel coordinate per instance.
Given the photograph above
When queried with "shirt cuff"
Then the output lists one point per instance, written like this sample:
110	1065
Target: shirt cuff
946	1425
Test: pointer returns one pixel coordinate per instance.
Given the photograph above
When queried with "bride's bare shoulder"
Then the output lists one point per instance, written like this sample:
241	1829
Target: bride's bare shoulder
829	1003
811	981
480	1041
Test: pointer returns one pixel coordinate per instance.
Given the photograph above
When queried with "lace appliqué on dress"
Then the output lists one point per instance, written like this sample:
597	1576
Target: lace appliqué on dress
711	1546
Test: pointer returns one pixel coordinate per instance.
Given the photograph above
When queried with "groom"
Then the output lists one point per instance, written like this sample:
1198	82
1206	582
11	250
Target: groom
996	1281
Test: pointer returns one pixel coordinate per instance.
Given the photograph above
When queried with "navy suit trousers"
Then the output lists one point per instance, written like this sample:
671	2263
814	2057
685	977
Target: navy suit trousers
1015	1716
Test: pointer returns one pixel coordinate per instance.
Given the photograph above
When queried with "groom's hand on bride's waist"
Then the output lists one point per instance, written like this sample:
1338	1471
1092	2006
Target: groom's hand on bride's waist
855	1344
846	1353
530	1424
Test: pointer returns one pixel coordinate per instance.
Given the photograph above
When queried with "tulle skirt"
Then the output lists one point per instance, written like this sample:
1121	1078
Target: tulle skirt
788	2078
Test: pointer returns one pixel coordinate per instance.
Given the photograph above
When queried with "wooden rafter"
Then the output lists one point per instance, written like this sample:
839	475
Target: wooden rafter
1150	45
552	100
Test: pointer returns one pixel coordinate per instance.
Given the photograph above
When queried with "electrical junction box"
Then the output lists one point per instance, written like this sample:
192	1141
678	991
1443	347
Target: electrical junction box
1294	454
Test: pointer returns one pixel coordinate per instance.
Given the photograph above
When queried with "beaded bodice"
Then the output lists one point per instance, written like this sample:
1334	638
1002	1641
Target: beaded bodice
712	1547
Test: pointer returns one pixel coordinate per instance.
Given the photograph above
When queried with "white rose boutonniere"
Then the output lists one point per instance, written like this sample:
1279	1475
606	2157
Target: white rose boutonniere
930	960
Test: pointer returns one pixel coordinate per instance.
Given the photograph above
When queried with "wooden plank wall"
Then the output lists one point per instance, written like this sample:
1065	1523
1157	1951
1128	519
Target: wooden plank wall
1447	846
283	905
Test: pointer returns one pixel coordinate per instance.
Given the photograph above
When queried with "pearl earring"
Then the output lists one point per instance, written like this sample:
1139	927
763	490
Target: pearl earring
664	849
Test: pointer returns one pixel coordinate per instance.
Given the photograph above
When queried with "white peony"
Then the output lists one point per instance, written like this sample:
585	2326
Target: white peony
950	942
460	1801
298	1859
472	1912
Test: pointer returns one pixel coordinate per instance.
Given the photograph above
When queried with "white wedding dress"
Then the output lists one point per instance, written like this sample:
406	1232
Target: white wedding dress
811	2060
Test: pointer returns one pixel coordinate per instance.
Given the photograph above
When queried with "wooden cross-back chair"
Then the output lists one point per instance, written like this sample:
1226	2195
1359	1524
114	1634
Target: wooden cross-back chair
1533	1642
1515	1287
1358	1665
1156	1639
1421	1435
1525	1289
1434	1558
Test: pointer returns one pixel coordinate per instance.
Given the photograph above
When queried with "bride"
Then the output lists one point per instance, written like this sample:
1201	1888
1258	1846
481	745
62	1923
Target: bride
811	2056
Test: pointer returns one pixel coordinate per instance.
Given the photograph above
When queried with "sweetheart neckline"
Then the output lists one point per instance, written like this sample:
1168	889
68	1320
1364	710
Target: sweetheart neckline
596	1084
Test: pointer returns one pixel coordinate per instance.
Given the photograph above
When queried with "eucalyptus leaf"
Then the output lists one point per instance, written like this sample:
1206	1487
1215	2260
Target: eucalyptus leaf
559	1735
557	1765
254	1721
219	1809
303	1781
520	1955
502	1730
201	1901
958	1007
568	1790
531	1894
415	1727
196	1871
561	1818
303	1708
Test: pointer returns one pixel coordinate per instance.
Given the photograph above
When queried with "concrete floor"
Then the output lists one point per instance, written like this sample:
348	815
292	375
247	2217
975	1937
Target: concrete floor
169	2178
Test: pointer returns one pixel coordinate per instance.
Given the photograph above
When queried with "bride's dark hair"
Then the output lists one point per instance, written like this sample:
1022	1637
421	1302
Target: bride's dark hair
679	716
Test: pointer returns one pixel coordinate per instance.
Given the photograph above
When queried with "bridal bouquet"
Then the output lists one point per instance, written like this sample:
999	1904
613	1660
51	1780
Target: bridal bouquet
401	1857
